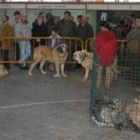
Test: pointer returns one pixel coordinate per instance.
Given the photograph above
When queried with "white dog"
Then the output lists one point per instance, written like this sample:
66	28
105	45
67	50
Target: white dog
85	59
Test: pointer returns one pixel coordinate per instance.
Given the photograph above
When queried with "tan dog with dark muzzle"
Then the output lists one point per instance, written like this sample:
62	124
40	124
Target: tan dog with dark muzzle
57	55
3	71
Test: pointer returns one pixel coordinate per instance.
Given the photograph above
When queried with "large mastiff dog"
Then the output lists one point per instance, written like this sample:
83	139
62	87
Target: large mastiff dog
132	109
57	55
3	71
109	112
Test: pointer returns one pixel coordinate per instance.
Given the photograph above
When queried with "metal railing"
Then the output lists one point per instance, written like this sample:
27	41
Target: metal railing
73	44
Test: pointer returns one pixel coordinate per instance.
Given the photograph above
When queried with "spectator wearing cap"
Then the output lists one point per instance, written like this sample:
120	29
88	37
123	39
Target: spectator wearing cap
6	44
23	29
105	48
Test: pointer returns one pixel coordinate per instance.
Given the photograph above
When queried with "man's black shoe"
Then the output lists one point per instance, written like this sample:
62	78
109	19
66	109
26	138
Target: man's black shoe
24	68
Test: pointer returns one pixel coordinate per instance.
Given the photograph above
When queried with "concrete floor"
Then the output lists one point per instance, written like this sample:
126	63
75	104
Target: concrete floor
41	107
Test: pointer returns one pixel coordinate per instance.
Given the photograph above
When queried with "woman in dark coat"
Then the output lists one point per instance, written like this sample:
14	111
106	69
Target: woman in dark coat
39	30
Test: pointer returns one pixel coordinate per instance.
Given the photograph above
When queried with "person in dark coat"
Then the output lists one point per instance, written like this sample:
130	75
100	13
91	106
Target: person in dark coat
67	28
36	20
49	23
84	30
39	30
121	31
133	46
79	19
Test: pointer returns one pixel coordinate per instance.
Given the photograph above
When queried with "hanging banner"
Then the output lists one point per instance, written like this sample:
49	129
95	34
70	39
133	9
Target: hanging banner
56	6
12	6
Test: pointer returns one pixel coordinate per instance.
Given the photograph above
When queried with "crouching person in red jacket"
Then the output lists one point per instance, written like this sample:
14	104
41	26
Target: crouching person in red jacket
105	47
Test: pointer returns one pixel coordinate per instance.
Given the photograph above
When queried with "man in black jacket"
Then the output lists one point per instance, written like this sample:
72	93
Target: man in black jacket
67	28
84	30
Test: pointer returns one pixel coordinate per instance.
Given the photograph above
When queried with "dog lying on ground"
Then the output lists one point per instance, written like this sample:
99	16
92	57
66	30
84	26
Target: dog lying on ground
57	55
3	71
109	113
85	59
132	109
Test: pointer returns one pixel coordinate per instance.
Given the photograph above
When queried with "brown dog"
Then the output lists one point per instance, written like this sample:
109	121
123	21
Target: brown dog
3	71
132	109
57	55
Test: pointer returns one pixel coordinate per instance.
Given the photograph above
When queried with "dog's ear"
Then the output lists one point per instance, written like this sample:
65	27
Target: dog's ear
64	45
84	51
60	49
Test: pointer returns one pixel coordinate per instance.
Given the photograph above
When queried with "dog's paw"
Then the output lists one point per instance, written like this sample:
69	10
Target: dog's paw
64	75
56	75
30	73
43	72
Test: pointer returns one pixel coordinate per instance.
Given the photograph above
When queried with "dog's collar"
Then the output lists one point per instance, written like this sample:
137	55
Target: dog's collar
83	58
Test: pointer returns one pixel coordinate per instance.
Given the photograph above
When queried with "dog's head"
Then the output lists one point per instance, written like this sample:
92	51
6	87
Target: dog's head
137	99
62	48
3	71
79	56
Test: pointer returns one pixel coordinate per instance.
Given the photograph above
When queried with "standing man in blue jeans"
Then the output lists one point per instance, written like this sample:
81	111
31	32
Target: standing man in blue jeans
23	29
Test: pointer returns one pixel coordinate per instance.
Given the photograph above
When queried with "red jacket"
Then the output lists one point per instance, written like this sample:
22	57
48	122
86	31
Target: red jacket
105	47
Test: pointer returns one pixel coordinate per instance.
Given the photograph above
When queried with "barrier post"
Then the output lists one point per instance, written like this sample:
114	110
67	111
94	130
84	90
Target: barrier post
94	73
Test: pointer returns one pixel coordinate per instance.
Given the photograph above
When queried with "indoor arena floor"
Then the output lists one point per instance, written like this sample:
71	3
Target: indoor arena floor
41	107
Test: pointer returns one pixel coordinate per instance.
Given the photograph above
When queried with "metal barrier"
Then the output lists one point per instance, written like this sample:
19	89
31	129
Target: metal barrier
13	42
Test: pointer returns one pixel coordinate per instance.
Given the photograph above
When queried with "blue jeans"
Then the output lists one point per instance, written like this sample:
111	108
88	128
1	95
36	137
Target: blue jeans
25	51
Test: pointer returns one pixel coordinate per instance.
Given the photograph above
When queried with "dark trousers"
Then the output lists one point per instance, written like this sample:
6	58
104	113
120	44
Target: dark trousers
5	57
72	47
17	51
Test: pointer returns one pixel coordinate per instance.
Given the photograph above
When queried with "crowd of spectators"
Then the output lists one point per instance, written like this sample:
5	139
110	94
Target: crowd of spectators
52	26
43	26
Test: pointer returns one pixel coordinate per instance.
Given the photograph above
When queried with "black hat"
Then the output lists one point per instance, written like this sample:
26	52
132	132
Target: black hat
105	24
54	29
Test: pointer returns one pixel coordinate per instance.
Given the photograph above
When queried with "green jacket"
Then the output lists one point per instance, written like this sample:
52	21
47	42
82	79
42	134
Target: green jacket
133	39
